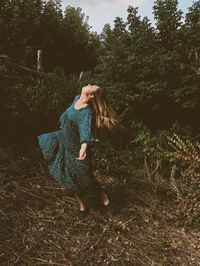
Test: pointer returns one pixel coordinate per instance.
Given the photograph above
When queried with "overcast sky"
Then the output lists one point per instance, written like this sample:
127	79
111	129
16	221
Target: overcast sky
101	12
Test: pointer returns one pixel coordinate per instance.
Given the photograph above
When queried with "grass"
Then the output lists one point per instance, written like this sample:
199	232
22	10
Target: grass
38	227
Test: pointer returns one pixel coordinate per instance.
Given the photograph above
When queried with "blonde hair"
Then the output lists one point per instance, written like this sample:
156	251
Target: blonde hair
105	116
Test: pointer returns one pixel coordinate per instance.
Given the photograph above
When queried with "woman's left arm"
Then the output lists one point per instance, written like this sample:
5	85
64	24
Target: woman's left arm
82	152
85	131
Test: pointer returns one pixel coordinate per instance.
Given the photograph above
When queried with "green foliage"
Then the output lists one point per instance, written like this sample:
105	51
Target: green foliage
49	93
35	103
151	74
147	142
26	26
108	159
168	21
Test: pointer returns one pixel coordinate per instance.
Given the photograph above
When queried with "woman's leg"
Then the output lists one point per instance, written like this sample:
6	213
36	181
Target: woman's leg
104	198
81	201
98	190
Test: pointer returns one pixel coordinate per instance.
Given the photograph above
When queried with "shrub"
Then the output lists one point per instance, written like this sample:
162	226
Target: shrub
188	153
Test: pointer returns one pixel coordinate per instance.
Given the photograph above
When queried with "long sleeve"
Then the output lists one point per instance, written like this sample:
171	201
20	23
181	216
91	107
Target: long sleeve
85	127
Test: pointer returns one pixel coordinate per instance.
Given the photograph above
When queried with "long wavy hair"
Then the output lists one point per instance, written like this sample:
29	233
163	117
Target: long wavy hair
105	116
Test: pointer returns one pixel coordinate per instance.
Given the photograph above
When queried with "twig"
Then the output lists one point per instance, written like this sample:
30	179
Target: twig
49	262
31	194
46	192
58	234
4	214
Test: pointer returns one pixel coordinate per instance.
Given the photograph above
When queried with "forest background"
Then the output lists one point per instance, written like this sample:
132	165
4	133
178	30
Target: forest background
150	74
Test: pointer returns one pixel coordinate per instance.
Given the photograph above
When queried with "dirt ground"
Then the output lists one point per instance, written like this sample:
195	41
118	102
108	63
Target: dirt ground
37	224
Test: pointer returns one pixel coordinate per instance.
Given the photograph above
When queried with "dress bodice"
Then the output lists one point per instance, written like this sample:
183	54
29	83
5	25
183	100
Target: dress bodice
77	124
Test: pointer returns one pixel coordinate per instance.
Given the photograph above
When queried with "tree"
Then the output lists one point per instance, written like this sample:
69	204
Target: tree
29	25
168	21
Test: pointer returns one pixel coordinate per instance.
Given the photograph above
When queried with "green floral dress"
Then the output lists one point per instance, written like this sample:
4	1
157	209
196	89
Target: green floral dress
60	149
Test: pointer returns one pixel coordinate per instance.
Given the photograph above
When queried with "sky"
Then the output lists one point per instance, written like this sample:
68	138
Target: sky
101	12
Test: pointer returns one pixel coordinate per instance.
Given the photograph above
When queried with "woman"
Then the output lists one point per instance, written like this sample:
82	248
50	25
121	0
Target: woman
68	150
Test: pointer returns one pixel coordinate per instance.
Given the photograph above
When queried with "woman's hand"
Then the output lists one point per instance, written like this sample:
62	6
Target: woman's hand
82	152
82	156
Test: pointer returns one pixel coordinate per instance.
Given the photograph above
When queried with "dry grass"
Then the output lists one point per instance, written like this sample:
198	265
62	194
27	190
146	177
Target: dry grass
38	227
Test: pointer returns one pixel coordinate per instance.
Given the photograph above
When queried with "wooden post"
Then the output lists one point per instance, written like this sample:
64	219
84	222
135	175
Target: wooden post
81	75
39	60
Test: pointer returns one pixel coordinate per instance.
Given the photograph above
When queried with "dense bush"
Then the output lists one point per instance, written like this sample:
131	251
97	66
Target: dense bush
63	37
29	104
152	73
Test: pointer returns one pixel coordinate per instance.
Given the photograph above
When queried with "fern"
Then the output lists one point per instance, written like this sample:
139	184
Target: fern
188	153
183	149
